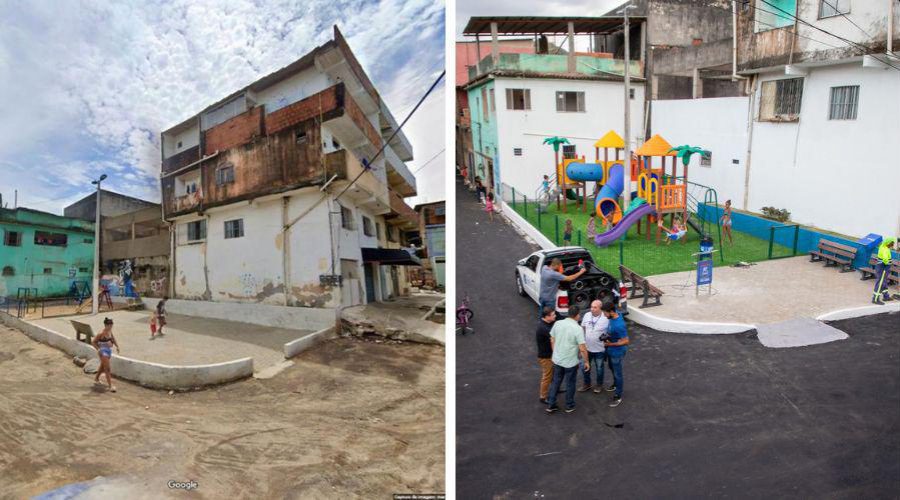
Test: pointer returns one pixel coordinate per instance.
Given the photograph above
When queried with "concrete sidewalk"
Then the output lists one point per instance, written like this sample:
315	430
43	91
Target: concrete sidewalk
400	319
189	340
767	292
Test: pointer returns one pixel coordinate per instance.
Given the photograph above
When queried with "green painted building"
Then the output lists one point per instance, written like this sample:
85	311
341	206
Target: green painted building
43	252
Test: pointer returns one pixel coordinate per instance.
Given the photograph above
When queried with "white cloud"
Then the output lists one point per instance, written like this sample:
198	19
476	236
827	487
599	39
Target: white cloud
95	79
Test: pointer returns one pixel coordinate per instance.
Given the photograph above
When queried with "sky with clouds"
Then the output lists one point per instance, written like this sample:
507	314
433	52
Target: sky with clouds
88	85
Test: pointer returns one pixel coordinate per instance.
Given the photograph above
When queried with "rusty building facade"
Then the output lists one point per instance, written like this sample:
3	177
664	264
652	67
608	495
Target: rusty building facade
135	248
272	195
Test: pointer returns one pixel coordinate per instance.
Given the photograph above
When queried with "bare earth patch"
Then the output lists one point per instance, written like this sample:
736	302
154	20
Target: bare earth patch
349	419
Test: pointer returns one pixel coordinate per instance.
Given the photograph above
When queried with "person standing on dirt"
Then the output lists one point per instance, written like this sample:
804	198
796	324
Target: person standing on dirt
545	349
161	314
567	340
104	342
551	277
882	268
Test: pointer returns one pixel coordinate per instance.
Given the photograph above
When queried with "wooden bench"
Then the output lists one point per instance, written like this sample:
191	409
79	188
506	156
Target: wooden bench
83	331
833	253
647	291
868	273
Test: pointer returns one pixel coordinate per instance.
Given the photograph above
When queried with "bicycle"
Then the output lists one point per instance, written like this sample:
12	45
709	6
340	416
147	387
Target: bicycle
464	316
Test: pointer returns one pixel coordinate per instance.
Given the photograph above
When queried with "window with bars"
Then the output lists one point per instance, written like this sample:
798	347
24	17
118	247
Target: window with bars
50	239
829	8
844	102
234	229
225	174
12	238
367	226
196	231
569	151
780	100
570	102
347	218
518	99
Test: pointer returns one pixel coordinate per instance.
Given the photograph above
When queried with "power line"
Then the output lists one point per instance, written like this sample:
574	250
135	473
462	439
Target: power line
847	18
429	161
792	16
388	140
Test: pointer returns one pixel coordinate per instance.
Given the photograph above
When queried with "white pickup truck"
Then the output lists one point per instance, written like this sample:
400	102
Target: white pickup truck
581	291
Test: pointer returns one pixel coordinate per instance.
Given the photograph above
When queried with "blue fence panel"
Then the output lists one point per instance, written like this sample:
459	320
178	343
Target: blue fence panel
758	227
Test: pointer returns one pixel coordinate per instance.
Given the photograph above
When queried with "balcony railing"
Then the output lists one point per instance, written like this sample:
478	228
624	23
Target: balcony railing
553	63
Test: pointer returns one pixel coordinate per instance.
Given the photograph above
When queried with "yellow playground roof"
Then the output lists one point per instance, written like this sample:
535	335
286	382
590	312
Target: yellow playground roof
610	140
656	146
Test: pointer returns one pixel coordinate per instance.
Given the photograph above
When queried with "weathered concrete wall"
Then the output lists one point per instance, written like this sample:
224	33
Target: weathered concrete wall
111	205
679	22
236	131
682	60
297	318
145	373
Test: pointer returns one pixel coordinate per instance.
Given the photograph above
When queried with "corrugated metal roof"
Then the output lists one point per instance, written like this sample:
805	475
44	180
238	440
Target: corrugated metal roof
518	25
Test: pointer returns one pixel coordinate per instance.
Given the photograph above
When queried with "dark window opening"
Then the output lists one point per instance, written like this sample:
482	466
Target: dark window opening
48	270
50	239
9	271
335	144
83	270
196	230
234	228
300	137
519	99
225	174
12	239
569	151
570	102
367	226
347	218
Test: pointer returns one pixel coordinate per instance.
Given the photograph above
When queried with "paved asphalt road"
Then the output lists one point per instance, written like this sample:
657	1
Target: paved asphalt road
702	416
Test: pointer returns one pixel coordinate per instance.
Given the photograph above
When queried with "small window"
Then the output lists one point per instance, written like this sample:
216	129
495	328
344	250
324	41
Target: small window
829	8
631	93
706	159
517	151
300	137
234	229
48	270
83	270
570	102
569	151
196	231
8	271
518	99
347	218
50	239
335	144
225	174
484	105
89	241
844	103
378	230
179	145
493	103
780	100
390	233
367	226
12	239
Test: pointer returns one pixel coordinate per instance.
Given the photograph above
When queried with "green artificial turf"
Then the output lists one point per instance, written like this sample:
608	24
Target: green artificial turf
644	256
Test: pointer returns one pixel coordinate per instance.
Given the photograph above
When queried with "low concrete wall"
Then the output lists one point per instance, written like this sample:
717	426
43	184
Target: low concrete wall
858	312
297	346
644	318
297	318
145	373
526	227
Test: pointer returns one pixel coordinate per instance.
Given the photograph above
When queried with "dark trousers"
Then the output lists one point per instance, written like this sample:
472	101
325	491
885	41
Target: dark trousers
558	374
881	278
598	368
615	363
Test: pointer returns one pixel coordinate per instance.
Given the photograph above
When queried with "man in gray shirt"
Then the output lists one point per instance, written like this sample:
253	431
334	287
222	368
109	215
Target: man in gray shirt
551	277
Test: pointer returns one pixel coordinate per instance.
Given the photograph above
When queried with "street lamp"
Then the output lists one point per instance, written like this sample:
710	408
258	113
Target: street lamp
95	285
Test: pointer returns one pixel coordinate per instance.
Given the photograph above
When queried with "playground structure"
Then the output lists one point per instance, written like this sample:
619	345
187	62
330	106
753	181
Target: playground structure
657	192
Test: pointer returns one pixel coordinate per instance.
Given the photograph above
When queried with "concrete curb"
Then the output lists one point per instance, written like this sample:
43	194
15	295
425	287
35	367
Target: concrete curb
858	312
145	373
524	226
644	318
305	342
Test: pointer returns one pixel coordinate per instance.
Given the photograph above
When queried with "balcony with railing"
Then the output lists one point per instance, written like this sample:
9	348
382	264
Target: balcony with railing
587	65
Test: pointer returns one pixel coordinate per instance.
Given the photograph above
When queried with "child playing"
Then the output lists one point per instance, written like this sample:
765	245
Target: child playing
726	221
592	227
567	233
676	233
489	206
161	314
154	321
545	185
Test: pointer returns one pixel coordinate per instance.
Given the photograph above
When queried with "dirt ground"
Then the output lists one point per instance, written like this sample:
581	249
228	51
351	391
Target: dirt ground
350	419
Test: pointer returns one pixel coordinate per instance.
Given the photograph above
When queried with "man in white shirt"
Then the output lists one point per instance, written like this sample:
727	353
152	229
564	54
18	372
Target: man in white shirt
594	324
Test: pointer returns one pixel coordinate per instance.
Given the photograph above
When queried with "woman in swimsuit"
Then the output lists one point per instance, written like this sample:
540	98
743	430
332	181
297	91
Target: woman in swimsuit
726	221
103	342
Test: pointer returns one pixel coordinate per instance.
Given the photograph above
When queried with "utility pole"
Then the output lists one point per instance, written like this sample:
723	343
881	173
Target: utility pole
95	285
627	170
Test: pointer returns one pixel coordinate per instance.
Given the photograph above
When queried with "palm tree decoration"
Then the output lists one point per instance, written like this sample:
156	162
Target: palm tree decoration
556	142
685	152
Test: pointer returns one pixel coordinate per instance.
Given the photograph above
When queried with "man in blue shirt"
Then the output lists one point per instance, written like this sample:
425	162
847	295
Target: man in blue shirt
616	347
551	276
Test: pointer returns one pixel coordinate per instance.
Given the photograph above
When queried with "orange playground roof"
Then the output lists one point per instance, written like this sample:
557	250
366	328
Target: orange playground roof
610	140
656	146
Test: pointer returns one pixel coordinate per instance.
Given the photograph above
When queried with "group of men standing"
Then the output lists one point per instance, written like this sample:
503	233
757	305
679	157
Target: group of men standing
597	336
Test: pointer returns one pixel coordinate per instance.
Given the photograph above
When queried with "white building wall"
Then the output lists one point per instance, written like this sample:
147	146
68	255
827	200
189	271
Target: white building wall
838	175
293	89
604	111
718	125
189	275
188	138
870	15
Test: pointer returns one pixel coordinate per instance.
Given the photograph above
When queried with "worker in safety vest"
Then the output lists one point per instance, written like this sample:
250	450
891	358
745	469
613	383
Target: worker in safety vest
882	268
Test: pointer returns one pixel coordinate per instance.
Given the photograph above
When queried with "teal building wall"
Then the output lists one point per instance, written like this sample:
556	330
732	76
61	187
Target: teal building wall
484	131
48	268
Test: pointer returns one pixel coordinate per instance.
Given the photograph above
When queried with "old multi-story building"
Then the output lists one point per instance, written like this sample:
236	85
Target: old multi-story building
43	253
134	253
283	192
111	205
432	223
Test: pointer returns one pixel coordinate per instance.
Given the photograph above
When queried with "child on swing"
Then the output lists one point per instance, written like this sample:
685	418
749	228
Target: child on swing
677	232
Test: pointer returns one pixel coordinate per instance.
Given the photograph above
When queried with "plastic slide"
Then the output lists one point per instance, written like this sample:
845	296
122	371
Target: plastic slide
607	199
621	228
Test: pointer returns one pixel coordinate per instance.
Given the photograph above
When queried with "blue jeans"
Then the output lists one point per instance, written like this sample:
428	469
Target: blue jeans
541	305
597	360
615	363
558	374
